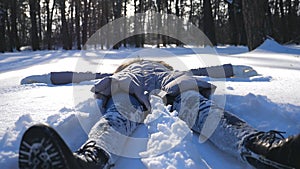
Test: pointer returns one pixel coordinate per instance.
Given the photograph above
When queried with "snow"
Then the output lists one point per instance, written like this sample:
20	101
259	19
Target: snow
267	101
272	46
168	135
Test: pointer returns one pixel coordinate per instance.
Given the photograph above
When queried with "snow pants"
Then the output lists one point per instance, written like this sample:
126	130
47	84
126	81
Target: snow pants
124	114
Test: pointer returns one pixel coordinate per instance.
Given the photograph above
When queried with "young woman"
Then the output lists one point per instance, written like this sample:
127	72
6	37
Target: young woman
125	97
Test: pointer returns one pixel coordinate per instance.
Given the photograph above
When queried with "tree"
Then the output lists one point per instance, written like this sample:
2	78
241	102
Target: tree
14	29
159	22
236	21
178	5
77	23
254	19
294	21
39	21
49	19
64	23
8	36
125	23
209	26
65	36
137	26
2	27
34	30
24	23
85	20
117	11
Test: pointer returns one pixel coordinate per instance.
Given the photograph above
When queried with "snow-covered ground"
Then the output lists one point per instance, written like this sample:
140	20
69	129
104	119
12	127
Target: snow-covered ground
267	101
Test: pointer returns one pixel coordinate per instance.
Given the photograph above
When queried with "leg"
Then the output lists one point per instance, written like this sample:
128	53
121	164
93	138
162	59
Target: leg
42	147
222	128
234	136
123	114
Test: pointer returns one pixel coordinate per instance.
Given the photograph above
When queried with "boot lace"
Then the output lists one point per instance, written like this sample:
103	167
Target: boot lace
90	151
267	137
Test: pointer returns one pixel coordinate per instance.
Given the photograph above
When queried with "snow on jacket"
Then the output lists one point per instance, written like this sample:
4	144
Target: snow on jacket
143	78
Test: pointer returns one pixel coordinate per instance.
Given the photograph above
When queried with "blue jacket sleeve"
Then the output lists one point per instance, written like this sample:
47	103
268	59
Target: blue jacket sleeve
60	78
223	71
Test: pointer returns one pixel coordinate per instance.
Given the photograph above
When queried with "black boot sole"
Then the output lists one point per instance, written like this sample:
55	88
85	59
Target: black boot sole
42	148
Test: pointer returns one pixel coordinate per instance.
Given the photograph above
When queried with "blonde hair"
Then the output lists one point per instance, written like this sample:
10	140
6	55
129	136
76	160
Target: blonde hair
126	64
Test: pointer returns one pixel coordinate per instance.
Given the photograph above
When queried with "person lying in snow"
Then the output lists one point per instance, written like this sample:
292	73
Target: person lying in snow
125	97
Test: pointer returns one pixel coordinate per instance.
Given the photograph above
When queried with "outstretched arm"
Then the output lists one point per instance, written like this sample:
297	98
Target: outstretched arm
60	78
225	71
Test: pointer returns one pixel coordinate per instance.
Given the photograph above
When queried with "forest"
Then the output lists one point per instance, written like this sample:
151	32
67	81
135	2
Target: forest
68	24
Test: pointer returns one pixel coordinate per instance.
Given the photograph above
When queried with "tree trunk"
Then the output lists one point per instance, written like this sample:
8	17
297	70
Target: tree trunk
39	21
142	22
85	21
268	24
71	24
117	13
178	32
238	33
294	20
34	30
64	30
233	25
77	23
137	26
49	23
14	29
2	28
254	18
209	26
288	19
283	24
159	24
23	29
125	24
48	31
9	45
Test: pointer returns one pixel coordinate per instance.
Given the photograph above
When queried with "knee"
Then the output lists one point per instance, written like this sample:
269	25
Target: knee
188	101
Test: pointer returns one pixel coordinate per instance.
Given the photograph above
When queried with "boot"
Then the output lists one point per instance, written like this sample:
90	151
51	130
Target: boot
42	148
270	150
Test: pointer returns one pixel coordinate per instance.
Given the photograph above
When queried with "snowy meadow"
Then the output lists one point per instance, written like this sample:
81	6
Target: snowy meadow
267	101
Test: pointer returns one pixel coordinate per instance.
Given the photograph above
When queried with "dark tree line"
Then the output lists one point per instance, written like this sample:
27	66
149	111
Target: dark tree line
68	24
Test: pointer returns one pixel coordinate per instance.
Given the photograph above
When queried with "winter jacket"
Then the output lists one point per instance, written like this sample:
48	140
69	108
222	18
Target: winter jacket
60	78
140	79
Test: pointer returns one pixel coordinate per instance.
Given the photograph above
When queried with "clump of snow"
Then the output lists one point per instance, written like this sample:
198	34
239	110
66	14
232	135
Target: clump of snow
165	131
168	146
26	48
9	143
